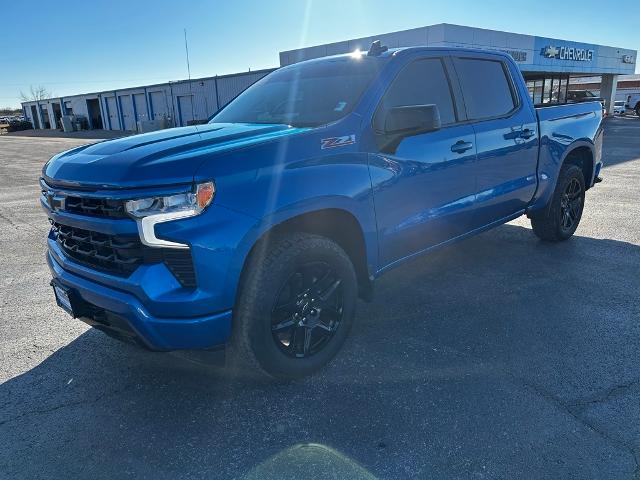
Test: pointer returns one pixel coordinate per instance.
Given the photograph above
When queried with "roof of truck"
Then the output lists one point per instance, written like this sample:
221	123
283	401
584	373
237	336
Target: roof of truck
392	52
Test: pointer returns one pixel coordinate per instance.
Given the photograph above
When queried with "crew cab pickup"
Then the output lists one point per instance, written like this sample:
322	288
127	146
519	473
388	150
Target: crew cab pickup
258	231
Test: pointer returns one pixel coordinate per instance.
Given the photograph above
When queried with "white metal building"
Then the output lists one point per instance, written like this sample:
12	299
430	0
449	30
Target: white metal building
178	103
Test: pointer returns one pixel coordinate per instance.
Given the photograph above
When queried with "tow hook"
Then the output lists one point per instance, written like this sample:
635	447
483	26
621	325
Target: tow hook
597	180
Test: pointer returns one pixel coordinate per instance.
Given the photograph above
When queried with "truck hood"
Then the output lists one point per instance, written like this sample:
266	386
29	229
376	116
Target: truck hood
154	159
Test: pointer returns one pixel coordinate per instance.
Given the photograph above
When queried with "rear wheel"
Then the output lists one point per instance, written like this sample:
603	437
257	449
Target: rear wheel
560	220
295	308
638	110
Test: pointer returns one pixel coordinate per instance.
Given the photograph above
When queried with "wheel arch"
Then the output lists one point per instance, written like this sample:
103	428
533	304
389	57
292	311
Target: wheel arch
582	156
580	152
337	224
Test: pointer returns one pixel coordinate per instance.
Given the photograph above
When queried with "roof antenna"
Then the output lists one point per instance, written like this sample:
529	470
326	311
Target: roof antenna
186	49
376	49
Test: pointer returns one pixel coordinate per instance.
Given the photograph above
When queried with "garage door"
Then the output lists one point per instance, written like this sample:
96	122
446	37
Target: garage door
126	104
158	103
141	106
185	109
114	121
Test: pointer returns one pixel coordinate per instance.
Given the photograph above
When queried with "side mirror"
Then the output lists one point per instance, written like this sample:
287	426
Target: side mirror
412	120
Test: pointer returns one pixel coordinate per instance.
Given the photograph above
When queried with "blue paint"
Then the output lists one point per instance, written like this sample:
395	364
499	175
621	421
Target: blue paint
135	111
179	111
42	123
108	116
102	113
119	108
406	201
148	104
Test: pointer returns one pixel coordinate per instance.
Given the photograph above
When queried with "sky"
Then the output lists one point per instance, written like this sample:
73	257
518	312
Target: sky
73	47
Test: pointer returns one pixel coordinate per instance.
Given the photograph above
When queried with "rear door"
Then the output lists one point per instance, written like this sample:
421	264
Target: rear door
424	188
506	136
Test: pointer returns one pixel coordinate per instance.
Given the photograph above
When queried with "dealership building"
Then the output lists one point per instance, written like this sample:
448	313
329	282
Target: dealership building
552	68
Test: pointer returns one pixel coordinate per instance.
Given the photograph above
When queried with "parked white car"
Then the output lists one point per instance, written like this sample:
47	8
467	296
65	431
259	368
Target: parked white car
633	103
619	107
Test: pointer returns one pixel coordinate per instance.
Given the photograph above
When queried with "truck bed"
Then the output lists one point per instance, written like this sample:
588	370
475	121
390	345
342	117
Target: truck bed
562	128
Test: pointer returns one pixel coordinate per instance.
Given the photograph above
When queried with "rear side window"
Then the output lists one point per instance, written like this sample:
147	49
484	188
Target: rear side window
486	87
423	82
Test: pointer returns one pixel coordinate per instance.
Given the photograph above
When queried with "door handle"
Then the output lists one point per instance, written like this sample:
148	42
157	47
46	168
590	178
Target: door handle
461	146
527	133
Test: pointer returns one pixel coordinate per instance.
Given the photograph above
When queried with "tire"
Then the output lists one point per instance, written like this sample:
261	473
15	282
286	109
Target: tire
637	109
295	307
561	218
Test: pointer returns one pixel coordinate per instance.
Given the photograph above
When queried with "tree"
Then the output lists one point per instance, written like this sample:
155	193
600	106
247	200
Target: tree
10	111
35	93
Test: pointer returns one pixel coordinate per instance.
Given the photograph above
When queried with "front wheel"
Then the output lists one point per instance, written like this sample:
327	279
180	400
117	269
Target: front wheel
295	307
560	220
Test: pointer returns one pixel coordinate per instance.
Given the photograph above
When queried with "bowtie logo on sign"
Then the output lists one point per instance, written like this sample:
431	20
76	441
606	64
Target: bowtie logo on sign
568	53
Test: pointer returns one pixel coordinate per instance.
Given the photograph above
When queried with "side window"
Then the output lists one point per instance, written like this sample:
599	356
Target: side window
486	87
422	82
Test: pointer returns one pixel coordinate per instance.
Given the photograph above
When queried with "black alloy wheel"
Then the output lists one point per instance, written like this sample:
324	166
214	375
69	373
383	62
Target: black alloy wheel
295	307
571	205
561	217
308	310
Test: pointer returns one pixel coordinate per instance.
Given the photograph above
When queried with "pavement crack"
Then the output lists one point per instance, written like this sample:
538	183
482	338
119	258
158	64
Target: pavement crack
575	410
605	395
75	403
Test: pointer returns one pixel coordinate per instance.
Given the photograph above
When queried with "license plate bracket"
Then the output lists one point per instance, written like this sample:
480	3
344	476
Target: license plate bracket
64	298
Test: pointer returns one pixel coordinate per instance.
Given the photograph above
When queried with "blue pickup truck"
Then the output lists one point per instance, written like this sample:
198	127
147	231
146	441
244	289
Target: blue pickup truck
257	232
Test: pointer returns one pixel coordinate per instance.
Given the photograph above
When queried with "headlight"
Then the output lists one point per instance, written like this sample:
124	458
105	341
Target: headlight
150	211
190	202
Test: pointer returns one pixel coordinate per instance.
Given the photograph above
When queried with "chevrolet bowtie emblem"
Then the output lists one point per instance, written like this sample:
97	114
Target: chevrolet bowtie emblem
551	52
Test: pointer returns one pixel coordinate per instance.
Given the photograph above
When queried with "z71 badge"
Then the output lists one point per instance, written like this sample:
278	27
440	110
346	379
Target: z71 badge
334	142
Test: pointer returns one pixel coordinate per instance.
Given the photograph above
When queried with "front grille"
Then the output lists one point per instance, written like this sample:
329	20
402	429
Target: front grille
95	206
121	254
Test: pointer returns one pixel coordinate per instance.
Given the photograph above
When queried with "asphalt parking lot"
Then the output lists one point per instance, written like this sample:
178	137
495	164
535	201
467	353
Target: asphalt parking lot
500	357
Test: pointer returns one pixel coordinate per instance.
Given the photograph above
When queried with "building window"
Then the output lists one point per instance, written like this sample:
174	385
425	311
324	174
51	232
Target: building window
550	89
564	83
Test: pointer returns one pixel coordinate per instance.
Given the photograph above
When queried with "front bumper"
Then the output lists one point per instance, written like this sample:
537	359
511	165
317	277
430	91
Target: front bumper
123	316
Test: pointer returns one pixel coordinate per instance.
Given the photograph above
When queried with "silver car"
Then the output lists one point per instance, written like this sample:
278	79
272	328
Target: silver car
619	107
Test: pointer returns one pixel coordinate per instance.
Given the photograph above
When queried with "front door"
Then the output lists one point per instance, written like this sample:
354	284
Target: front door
424	188
506	137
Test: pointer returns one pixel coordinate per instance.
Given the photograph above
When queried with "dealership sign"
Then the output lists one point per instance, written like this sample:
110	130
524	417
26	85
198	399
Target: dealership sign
517	55
568	53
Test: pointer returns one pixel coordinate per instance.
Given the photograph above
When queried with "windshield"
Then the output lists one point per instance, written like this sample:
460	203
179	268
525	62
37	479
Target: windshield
305	95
